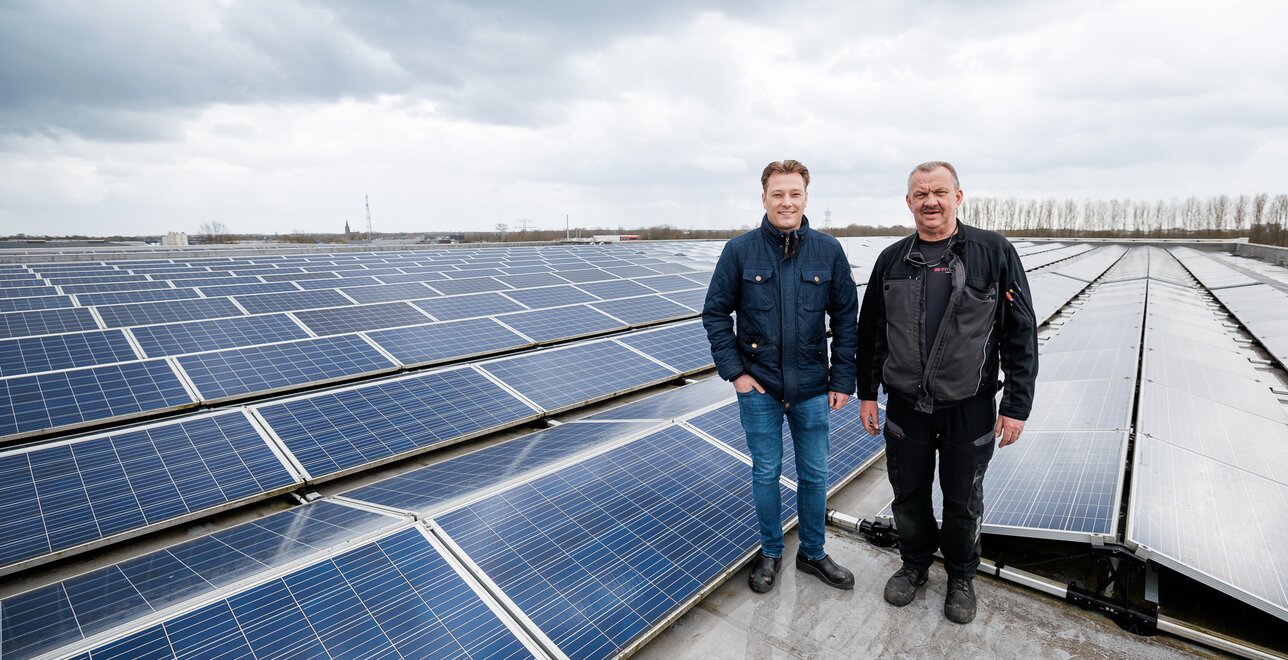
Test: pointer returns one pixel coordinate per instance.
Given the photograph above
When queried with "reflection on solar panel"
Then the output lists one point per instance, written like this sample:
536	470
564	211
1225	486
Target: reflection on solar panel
247	289
196	336
53	352
74	493
461	476
693	299
66	612
437	342
33	303
470	285
553	296
565	377
395	597
119	316
68	398
460	307
337	431
645	309
120	297
615	289
599	552
667	283
45	322
241	371
684	346
364	317
292	300
544	325
388	292
672	404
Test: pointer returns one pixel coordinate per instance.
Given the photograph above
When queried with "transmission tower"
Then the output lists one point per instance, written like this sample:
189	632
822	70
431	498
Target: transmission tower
827	219
367	204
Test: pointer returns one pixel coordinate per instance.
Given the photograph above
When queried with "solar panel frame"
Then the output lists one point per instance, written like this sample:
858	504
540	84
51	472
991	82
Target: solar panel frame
129	448
34	303
561	323
57	401
46	322
644	310
551	296
389	292
132	314
357	318
260	370
247	289
445	341
682	346
562	378
268	303
169	339
27	355
424	411
469	305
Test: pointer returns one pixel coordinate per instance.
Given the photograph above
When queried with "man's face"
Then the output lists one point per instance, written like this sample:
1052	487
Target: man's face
933	199
784	200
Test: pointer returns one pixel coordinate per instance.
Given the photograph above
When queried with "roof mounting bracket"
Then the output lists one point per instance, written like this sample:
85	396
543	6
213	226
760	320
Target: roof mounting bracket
1121	574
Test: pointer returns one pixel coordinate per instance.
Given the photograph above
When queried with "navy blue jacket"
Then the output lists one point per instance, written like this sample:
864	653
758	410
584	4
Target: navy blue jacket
781	297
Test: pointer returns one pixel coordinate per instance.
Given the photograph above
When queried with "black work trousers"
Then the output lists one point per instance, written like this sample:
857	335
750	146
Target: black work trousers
962	436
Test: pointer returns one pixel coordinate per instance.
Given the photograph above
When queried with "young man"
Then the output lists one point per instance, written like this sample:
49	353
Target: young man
943	308
787	285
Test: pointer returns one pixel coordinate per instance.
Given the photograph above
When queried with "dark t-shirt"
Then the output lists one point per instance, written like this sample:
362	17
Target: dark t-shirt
939	287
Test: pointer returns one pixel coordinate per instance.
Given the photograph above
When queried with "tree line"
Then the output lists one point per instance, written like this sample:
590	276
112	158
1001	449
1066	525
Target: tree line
1262	218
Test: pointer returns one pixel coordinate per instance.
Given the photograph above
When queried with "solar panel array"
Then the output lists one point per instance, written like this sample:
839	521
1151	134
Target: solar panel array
1209	472
262	316
1260	307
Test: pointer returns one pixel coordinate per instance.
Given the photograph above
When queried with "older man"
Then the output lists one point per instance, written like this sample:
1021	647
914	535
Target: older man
786	282
943	309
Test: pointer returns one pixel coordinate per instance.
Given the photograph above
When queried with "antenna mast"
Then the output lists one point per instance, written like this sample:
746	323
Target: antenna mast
367	204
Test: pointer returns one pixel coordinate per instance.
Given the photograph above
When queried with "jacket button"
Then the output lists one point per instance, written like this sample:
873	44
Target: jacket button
816	278
757	278
754	345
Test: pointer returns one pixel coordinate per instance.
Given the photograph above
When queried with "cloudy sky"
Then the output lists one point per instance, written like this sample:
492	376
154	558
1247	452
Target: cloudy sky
278	115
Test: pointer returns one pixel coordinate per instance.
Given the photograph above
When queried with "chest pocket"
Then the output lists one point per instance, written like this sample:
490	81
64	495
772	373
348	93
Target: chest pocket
759	291
816	284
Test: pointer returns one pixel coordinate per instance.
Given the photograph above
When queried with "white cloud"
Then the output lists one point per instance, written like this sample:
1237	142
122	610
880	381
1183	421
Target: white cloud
282	116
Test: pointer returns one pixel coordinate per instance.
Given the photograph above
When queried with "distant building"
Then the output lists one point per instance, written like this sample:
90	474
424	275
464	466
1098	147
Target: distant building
347	233
174	238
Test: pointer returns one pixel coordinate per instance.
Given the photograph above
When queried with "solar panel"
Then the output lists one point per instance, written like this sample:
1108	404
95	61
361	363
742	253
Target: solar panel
684	346
586	275
247	289
96	279
565	377
46	401
471	285
394	597
449	340
261	369
544	325
616	289
77	289
531	280
292	300
45	322
79	492
119	316
459	477
389	292
119	297
460	307
211	279
669	268
333	432
644	309
345	281
693	299
1090	365
196	336
473	271
598	553
34	303
673	404
295	277
667	283
362	317
27	291
701	278
55	352
553	296
66	612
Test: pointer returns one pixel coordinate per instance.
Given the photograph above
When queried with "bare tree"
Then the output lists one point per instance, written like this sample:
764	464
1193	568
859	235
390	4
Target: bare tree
213	231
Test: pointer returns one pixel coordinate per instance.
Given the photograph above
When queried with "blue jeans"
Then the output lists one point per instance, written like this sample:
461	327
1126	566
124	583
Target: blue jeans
762	421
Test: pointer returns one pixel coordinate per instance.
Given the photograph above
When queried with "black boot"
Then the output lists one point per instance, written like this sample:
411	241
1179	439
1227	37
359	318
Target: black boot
959	604
764	572
901	588
830	572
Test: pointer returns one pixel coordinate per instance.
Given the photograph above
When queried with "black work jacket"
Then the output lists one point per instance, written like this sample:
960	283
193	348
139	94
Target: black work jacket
989	322
784	299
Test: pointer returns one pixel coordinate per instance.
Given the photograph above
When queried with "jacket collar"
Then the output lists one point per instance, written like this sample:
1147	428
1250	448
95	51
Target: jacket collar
777	237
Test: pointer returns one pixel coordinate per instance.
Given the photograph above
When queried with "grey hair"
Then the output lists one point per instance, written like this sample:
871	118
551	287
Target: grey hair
931	166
